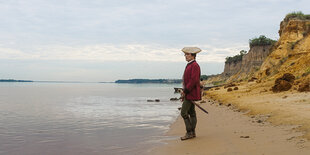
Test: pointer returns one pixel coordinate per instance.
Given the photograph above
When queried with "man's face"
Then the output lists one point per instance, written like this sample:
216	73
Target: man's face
189	57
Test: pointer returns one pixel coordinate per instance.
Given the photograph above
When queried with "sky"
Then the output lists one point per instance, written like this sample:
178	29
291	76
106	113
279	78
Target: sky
107	40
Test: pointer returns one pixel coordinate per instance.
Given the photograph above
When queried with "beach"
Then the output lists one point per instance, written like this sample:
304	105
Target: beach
234	127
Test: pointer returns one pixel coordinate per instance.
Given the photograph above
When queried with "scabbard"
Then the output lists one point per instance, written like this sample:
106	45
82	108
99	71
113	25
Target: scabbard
200	107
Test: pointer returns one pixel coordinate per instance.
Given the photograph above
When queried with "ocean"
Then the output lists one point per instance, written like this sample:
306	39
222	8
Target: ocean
84	118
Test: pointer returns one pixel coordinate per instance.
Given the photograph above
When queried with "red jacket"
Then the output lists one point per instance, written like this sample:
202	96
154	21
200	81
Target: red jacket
191	81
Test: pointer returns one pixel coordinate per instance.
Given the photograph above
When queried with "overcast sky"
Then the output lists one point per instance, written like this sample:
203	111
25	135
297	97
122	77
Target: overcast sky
106	40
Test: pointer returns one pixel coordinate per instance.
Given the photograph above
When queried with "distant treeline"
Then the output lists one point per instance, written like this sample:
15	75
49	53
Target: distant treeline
150	81
12	80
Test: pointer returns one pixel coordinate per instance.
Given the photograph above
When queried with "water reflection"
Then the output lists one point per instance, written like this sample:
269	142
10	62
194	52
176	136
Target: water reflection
82	118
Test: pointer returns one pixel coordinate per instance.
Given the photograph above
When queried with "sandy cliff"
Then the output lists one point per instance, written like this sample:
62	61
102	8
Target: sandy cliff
291	54
287	64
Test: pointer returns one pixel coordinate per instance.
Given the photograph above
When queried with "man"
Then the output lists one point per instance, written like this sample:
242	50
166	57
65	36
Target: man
191	91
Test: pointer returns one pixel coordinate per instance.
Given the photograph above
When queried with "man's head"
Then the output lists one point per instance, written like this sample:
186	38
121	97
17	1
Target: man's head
190	56
190	53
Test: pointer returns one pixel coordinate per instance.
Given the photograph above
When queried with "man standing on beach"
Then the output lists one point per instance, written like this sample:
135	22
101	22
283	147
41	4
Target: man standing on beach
191	91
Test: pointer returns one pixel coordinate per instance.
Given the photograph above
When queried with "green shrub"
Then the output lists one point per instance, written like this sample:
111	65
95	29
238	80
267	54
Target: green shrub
205	77
236	58
296	15
261	41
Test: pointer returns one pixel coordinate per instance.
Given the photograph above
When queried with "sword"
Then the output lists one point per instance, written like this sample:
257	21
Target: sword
200	107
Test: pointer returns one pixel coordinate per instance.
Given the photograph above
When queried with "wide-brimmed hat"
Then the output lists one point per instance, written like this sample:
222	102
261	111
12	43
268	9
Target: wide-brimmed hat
191	50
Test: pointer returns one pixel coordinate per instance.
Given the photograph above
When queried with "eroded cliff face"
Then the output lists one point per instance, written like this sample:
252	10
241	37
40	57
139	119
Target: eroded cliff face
291	54
249	64
254	58
232	68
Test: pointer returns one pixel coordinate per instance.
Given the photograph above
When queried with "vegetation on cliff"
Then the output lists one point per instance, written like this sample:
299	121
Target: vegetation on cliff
296	15
261	41
236	58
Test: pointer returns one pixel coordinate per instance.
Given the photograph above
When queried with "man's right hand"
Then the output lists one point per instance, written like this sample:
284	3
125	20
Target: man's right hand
182	96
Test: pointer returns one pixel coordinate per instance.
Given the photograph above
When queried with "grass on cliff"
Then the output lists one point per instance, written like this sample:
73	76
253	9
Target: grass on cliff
296	15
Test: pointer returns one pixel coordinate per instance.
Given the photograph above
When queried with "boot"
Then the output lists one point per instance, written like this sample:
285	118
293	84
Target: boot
193	133
188	135
188	126
193	123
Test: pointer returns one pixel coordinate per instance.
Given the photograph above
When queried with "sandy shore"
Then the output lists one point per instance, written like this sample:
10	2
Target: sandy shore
227	131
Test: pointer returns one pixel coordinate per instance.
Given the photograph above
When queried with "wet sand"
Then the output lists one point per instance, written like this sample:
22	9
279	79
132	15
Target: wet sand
227	131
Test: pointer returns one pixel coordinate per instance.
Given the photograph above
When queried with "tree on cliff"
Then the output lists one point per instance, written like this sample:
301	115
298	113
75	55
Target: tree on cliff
236	58
261	41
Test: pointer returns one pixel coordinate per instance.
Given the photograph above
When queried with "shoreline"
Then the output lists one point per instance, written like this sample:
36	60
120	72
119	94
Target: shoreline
229	130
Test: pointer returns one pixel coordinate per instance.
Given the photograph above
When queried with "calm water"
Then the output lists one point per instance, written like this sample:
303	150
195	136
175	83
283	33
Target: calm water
83	118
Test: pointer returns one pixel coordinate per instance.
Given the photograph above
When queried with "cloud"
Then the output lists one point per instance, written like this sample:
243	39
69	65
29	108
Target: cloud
123	52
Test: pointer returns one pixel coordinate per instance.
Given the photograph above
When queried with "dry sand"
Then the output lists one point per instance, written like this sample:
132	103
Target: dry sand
222	132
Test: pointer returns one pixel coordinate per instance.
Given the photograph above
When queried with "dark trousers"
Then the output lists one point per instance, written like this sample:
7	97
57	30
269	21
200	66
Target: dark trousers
189	115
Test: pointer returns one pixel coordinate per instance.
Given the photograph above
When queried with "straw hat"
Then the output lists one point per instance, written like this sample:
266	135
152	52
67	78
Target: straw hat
191	50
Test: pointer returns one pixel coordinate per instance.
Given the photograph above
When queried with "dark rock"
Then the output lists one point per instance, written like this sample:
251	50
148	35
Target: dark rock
174	99
218	88
252	79
157	100
259	121
283	83
267	71
178	90
150	100
229	89
229	85
244	136
220	103
304	87
228	105
288	77
236	88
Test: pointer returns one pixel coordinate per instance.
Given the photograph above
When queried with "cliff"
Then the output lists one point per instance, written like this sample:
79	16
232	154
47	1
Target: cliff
291	54
276	89
248	65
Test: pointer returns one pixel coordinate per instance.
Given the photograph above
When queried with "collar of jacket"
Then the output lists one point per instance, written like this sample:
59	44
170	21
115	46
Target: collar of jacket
190	62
